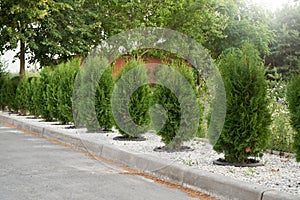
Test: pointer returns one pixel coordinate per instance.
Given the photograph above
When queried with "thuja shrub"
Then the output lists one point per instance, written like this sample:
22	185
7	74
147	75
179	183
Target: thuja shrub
293	97
3	84
51	92
246	128
40	96
22	97
139	101
103	100
32	96
9	90
84	91
172	109
66	73
3	79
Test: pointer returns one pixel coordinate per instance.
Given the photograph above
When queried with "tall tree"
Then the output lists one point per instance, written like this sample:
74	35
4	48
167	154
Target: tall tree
246	22
216	24
198	19
68	32
18	21
49	30
285	50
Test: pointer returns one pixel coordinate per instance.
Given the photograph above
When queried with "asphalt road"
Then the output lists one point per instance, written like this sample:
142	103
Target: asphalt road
36	168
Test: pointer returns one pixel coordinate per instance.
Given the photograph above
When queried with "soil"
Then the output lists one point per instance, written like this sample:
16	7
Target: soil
31	118
126	138
180	149
71	127
248	163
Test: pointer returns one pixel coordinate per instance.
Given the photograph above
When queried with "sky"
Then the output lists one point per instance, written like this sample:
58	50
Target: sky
8	57
14	67
271	4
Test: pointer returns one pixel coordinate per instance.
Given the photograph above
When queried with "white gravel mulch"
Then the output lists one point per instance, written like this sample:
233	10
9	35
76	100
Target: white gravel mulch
279	172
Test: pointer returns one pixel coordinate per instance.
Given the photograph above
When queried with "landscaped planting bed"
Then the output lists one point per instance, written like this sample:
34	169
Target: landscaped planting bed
280	172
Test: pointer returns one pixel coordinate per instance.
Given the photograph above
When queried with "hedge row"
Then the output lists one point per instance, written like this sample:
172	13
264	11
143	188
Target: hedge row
246	130
131	98
48	95
8	93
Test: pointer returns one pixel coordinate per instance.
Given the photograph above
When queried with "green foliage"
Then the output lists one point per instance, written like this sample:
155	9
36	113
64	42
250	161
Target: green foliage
205	101
41	94
32	95
286	47
3	92
52	92
281	131
246	128
103	100
49	29
65	75
22	96
84	93
140	100
293	97
3	79
172	108
245	21
197	19
10	90
76	26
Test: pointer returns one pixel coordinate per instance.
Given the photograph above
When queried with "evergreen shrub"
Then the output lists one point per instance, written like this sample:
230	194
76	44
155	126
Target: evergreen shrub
139	101
3	79
84	92
246	130
171	112
22	96
9	90
32	94
103	100
51	92
40	96
293	97
65	76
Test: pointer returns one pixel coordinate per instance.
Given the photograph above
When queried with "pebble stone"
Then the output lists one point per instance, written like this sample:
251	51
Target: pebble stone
279	172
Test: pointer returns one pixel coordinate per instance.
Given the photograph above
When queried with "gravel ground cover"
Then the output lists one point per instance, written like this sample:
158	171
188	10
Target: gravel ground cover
280	172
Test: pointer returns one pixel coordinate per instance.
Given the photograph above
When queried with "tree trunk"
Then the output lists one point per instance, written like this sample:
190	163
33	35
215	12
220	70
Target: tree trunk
22	59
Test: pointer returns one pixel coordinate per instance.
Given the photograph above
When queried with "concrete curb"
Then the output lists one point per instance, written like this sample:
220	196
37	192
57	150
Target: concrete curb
198	180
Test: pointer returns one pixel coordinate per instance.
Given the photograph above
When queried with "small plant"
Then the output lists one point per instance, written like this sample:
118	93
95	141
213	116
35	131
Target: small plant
293	97
246	129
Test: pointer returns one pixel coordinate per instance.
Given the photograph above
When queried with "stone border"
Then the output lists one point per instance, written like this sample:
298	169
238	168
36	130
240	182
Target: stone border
205	182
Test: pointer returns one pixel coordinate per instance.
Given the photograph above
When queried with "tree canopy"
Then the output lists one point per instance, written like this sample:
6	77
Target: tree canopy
285	50
246	22
49	30
56	30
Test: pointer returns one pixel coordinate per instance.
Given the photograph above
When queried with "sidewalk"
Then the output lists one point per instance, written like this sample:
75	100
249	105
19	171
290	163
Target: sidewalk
216	185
